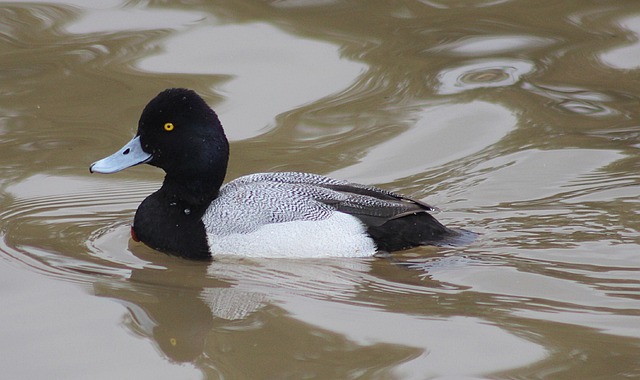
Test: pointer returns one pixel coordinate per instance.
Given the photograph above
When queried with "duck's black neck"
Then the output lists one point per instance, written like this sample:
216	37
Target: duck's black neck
194	191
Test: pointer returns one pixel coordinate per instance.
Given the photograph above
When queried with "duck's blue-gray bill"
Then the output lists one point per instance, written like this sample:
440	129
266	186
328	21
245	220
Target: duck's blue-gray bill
129	155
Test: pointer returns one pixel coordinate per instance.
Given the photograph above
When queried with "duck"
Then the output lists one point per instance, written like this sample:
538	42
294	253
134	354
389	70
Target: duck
279	214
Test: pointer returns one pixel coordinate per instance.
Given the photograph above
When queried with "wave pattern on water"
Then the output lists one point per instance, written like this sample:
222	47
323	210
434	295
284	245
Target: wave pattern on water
520	123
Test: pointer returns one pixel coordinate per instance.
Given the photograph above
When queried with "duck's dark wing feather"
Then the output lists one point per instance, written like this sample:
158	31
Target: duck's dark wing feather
375	206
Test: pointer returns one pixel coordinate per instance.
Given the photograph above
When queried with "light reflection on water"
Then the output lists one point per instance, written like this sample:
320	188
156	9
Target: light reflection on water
534	144
471	127
492	45
625	57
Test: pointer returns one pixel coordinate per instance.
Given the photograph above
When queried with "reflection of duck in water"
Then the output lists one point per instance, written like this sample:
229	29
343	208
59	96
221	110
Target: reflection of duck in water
268	214
177	305
283	318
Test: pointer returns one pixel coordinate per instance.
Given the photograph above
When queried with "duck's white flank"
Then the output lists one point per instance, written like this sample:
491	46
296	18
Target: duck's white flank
339	235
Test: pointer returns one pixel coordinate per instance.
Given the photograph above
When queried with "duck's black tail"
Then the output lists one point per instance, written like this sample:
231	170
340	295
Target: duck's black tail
415	230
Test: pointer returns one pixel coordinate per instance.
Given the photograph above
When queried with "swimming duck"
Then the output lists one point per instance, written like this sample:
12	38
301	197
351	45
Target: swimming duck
284	214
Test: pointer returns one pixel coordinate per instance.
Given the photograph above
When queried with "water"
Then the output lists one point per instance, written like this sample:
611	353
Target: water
519	122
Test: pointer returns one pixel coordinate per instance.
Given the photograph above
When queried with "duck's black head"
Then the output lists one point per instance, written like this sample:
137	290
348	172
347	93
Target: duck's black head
183	134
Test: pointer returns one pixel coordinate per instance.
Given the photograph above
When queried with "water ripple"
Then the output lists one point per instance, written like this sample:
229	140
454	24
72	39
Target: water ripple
482	74
446	4
576	100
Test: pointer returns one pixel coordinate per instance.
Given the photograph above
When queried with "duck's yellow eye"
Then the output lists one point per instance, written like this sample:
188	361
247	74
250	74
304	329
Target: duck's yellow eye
168	127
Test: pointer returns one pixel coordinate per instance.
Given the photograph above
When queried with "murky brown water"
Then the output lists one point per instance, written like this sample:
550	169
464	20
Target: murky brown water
520	120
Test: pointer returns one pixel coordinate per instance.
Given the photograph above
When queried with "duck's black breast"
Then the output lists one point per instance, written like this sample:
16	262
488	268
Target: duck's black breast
168	224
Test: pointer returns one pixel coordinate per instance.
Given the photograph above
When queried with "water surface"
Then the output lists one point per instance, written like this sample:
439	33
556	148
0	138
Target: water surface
518	122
